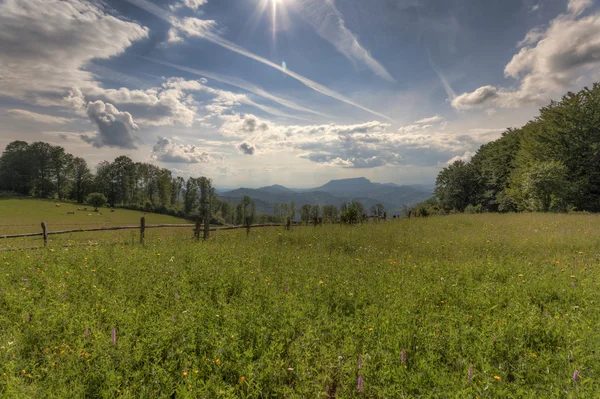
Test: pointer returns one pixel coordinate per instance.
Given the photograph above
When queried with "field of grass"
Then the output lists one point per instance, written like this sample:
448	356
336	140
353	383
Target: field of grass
25	215
407	307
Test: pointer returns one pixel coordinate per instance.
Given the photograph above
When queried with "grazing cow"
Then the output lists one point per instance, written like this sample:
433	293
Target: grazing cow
89	214
78	209
57	205
112	210
99	214
85	209
71	213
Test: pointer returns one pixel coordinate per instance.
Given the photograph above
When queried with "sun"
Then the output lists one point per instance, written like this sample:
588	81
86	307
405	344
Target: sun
275	11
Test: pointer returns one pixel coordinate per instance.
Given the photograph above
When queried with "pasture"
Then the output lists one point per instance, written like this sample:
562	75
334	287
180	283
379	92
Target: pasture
24	215
488	306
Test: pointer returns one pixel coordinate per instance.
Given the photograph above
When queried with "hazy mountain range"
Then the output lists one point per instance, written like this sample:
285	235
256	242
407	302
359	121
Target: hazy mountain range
336	192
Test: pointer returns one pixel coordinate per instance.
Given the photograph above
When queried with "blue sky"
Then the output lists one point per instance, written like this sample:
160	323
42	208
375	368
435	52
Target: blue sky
295	92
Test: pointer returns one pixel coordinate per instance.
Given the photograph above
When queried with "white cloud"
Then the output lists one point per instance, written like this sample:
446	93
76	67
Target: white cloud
165	150
476	98
433	119
577	7
193	4
330	25
366	145
115	128
34	116
566	55
46	43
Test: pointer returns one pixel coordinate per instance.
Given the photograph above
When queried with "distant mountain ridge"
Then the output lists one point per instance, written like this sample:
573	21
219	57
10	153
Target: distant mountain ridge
335	192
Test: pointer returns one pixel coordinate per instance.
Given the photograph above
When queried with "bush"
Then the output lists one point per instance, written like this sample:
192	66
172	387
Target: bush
96	200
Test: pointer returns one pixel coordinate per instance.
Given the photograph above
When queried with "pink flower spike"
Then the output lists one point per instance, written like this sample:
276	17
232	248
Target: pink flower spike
360	383
114	336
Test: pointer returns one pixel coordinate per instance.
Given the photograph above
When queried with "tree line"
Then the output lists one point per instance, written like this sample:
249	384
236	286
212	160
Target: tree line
42	170
552	164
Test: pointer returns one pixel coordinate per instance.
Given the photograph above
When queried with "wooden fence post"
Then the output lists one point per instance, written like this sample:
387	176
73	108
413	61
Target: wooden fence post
197	230
142	229
206	227
45	232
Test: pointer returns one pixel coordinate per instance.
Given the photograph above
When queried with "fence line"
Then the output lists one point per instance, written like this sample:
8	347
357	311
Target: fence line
142	228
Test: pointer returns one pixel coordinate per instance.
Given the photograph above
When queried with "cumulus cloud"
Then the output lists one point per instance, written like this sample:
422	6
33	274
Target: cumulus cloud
47	43
246	149
115	128
165	150
34	116
550	61
476	98
366	145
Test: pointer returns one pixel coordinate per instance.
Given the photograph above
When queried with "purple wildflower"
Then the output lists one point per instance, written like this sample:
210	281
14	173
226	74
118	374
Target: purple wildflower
360	383
114	336
470	376
403	358
86	333
576	375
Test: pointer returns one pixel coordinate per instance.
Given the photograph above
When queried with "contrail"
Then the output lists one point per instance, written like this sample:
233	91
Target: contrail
240	83
211	37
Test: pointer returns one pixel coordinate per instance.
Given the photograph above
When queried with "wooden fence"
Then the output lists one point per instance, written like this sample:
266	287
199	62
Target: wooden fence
142	228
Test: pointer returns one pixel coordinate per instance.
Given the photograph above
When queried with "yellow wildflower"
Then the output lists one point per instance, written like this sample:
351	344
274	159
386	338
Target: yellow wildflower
497	378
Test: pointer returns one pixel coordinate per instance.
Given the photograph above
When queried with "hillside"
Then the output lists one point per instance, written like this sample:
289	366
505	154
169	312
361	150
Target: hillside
22	215
335	192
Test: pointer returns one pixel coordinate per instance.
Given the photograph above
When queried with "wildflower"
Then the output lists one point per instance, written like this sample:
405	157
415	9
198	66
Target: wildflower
360	362
321	282
360	383
576	375
217	362
195	371
371	329
497	378
185	373
403	357
114	336
23	371
242	379
470	375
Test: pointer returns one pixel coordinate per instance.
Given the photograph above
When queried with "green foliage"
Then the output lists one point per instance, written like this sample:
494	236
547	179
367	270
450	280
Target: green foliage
96	200
545	186
515	296
520	171
457	186
352	213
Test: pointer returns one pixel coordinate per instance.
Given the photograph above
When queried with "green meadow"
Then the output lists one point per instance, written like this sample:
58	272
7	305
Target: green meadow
406	306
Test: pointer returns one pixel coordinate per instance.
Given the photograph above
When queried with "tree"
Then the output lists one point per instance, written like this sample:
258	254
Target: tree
330	213
315	214
82	179
41	156
17	168
457	186
352	213
377	211
305	213
62	169
96	200
545	186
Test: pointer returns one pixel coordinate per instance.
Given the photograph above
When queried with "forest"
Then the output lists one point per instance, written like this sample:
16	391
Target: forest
552	164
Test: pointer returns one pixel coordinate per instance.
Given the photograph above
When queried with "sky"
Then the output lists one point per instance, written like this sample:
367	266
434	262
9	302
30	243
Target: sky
293	92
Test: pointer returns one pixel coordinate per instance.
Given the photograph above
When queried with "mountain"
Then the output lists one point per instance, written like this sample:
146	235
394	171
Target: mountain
335	192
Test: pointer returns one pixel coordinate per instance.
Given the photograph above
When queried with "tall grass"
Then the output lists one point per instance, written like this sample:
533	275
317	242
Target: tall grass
511	300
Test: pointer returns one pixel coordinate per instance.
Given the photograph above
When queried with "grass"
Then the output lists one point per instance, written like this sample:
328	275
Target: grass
288	314
25	215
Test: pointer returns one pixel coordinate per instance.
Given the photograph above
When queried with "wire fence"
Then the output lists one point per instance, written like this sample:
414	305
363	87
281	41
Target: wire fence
45	233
